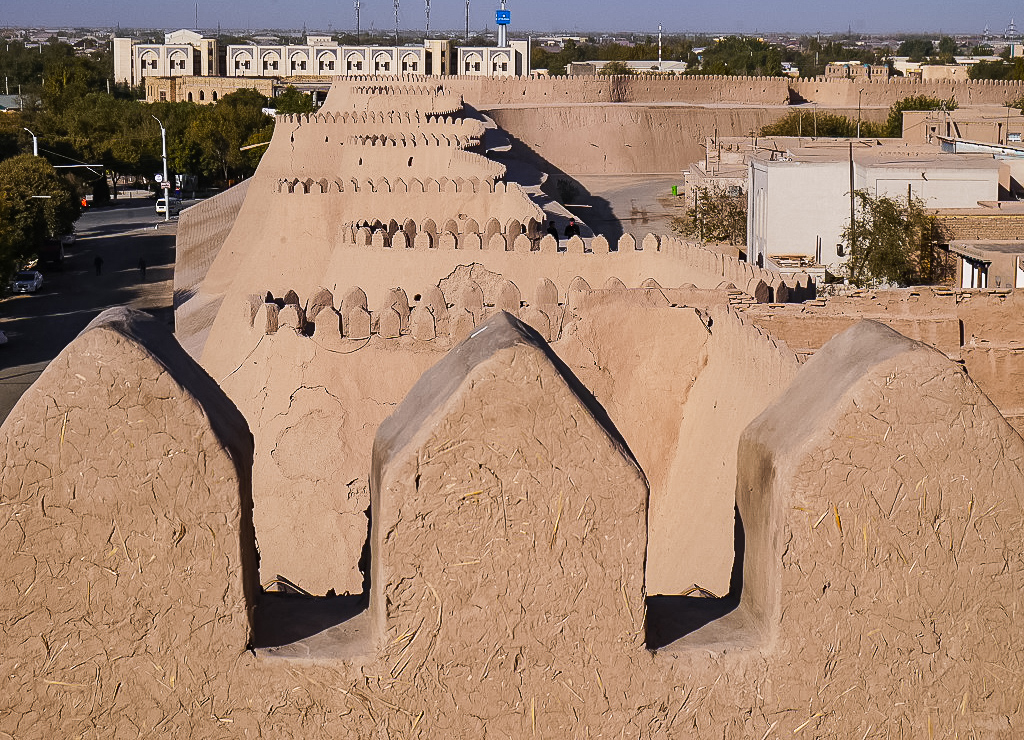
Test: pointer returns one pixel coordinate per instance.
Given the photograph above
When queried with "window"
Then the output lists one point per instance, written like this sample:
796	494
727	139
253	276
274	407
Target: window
190	97
504	66
163	96
215	96
202	95
476	67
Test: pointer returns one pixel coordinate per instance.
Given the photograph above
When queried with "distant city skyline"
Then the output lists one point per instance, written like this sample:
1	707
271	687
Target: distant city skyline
743	16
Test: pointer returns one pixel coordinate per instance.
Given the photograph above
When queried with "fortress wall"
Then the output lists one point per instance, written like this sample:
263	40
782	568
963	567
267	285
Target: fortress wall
487	91
617	139
686	409
202	231
996	225
740	371
978	327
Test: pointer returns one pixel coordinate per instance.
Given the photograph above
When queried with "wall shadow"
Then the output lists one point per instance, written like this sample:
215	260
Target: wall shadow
671	618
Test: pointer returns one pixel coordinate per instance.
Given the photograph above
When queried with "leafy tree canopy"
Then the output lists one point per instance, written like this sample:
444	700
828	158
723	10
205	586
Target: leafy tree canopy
293	101
717	215
891	241
894	123
35	203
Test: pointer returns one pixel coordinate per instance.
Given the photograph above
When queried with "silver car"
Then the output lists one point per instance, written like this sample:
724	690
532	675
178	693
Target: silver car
27	281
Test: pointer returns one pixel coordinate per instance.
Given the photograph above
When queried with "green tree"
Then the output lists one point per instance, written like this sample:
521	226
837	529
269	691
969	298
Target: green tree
615	68
894	123
821	123
917	48
292	101
735	55
947	50
212	142
35	202
997	70
891	241
718	215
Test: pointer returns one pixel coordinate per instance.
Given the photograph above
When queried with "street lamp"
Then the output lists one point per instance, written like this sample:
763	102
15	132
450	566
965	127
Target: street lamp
166	185
35	143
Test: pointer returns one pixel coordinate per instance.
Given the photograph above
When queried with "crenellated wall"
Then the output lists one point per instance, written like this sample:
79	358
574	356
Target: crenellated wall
980	328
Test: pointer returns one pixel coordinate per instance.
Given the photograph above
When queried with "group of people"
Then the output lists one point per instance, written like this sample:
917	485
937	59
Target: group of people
571	229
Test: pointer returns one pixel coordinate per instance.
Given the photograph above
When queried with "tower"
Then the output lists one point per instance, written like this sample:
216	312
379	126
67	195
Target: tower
502	18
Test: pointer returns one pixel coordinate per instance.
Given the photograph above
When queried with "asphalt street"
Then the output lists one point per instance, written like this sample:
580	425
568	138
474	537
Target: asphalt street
40	325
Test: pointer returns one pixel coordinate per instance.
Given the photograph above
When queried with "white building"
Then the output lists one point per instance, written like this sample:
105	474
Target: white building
322	56
494	61
799	198
184	53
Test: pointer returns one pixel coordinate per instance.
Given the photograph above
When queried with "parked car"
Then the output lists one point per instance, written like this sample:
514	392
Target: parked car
161	205
51	252
3	337
27	281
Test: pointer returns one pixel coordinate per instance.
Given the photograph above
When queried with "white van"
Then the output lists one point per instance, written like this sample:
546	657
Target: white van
161	205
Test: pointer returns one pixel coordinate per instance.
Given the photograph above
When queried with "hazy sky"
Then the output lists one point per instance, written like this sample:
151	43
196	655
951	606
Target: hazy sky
745	16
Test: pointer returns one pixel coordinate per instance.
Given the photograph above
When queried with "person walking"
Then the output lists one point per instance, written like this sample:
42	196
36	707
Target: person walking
142	268
98	264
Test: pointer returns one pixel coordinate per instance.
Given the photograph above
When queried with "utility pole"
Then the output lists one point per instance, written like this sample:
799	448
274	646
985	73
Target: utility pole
859	94
467	21
166	184
35	144
428	20
396	22
853	195
659	47
358	37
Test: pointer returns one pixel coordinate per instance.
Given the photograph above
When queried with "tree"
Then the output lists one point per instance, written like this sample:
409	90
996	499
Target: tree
719	214
292	101
894	123
212	142
917	48
615	68
820	123
891	241
35	203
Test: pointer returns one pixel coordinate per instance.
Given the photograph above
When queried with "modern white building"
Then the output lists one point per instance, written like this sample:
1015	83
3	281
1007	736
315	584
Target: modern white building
799	198
322	56
494	61
184	53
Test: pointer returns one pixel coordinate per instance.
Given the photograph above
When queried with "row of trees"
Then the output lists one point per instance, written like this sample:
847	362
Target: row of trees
802	122
891	241
79	118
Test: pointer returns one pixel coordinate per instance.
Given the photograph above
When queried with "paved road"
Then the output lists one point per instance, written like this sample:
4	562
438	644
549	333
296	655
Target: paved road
40	325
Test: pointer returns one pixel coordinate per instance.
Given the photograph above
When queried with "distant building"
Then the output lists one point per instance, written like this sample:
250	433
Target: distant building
184	53
320	55
799	197
989	263
494	61
856	71
634	66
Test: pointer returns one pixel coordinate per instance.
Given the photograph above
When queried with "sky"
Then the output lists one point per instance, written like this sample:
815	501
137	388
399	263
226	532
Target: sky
728	16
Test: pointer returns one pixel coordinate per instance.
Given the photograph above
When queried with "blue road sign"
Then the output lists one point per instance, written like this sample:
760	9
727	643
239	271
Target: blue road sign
503	17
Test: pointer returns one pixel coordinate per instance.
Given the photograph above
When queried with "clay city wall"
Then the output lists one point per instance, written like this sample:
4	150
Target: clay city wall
413	257
979	328
527	617
601	334
965	226
697	89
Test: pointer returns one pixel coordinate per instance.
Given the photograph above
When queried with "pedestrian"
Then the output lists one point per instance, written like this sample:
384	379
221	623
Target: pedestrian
98	264
572	229
142	268
552	230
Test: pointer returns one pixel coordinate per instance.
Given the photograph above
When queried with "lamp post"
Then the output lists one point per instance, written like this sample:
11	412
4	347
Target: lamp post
35	143
859	93
166	183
